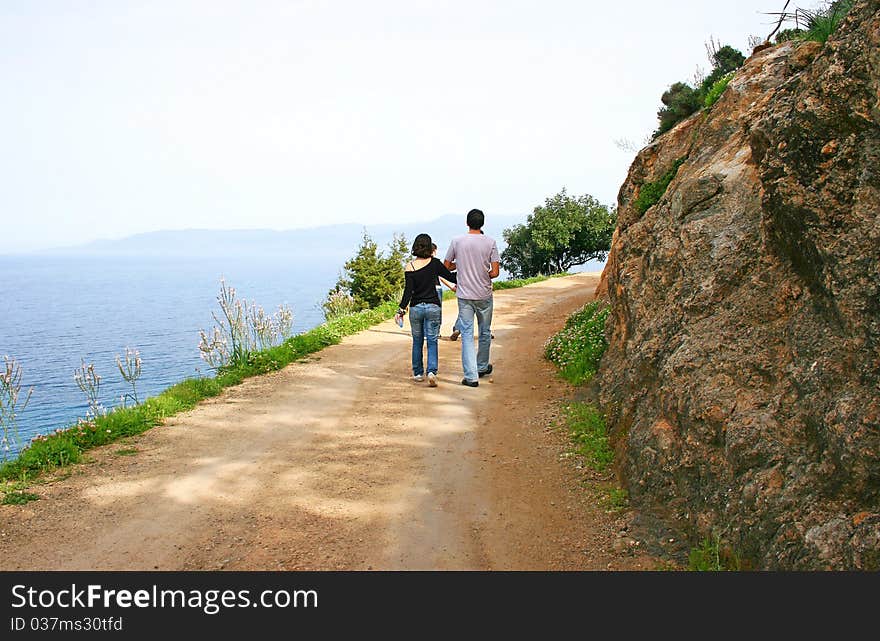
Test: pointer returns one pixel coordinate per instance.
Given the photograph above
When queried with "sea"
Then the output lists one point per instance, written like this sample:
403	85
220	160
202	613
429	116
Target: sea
57	312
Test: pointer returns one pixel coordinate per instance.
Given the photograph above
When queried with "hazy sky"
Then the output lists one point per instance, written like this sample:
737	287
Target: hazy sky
120	117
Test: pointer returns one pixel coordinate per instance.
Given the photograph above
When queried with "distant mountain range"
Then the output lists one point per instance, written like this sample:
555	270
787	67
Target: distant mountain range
332	240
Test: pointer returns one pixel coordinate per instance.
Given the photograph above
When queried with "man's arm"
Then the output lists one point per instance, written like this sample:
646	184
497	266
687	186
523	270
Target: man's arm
449	262
494	260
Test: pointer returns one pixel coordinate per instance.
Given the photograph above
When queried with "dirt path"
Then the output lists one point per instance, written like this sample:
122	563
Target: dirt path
343	462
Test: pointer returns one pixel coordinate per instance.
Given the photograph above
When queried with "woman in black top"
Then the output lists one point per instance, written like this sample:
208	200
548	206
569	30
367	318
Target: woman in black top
420	293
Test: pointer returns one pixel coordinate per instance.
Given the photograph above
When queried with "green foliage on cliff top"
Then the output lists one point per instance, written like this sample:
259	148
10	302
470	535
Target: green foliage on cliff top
820	24
681	100
716	90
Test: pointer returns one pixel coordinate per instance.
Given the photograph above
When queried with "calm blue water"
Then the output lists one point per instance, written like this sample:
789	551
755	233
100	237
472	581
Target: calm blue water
58	310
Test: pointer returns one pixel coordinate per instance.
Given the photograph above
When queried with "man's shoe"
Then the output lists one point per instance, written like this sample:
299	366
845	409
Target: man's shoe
488	371
454	335
465	381
418	378
432	379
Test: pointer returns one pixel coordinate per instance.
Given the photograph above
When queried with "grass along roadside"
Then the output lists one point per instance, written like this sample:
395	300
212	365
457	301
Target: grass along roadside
588	434
585	428
66	446
576	350
522	282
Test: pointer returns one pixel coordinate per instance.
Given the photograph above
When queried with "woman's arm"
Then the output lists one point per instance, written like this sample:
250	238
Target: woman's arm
407	290
445	273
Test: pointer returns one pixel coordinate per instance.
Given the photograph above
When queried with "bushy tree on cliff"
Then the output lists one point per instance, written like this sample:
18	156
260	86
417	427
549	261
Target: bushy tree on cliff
564	232
725	60
681	100
371	277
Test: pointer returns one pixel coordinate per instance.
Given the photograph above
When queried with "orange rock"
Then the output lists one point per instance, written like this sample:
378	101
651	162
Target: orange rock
775	480
664	433
830	147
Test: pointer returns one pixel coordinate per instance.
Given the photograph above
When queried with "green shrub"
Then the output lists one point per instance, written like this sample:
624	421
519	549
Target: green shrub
19	498
724	61
586	427
710	557
717	89
679	101
616	499
371	277
578	347
824	22
650	193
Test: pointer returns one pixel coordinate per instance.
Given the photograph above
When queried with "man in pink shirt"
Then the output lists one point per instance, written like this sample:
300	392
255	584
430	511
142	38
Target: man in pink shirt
475	258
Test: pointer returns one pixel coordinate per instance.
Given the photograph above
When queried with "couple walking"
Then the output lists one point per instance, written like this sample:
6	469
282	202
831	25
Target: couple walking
471	263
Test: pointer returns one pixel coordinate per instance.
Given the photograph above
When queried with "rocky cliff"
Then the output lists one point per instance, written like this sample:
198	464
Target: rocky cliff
742	379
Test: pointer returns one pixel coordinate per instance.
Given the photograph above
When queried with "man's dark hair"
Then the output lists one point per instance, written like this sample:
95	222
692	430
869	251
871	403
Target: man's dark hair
422	246
475	219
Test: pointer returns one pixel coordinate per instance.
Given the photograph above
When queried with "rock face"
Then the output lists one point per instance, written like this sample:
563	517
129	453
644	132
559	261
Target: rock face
742	379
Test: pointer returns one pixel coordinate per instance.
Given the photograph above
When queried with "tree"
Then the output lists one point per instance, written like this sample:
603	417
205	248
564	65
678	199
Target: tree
371	277
681	100
725	60
564	232
522	257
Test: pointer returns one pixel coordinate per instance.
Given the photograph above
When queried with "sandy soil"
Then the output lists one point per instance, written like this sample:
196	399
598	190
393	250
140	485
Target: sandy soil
343	462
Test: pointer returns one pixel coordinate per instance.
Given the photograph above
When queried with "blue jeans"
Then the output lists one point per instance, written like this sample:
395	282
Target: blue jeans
424	321
440	296
475	361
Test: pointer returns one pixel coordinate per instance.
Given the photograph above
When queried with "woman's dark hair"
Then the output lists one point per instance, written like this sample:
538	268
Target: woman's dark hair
422	246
